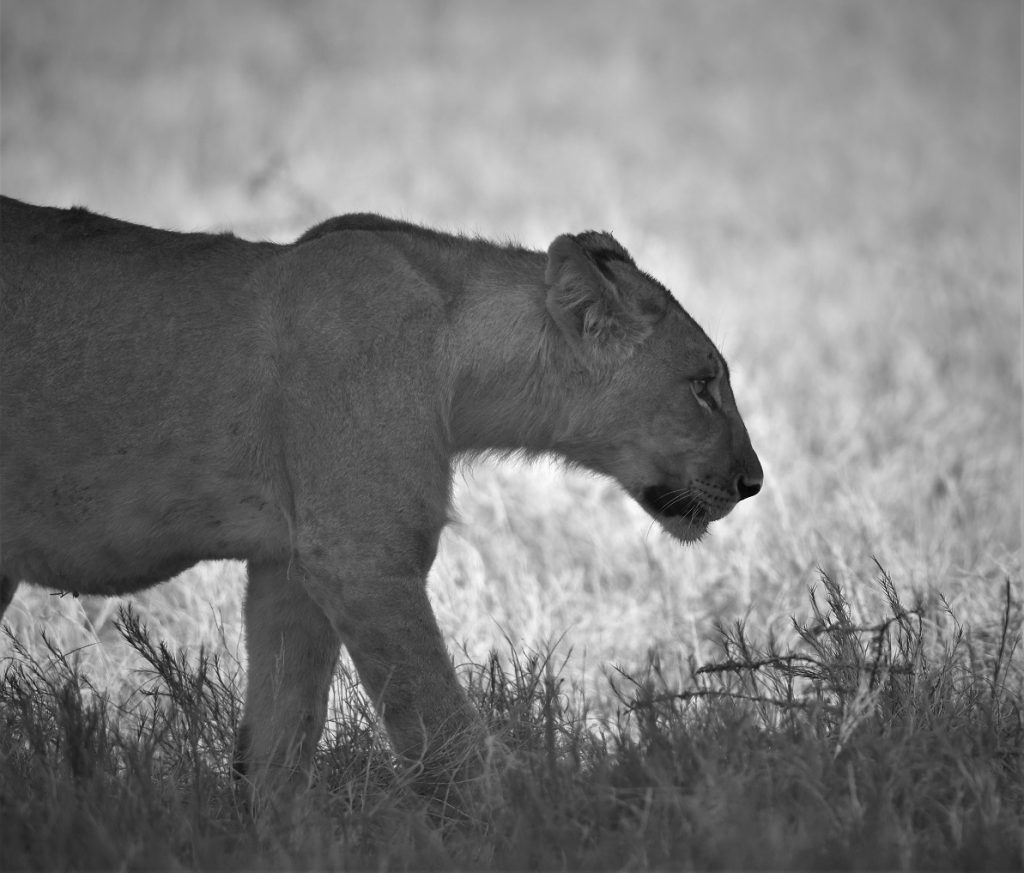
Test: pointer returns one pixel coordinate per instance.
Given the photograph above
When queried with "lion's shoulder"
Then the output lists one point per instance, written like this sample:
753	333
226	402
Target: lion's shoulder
368	222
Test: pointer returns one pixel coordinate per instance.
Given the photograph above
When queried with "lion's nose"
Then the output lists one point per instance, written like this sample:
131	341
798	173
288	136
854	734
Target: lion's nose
748	486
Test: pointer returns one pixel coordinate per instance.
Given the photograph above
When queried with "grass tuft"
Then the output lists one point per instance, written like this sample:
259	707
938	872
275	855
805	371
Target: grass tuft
888	743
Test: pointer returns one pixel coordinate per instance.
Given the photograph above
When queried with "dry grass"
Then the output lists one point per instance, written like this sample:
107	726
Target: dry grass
832	190
895	744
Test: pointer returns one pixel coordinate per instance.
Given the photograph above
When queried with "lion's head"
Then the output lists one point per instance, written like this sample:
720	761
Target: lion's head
654	407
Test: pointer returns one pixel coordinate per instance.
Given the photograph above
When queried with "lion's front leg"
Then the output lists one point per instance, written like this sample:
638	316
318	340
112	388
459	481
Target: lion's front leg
293	650
389	628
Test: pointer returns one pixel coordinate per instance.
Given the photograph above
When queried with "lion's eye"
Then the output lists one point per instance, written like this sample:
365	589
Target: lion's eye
703	393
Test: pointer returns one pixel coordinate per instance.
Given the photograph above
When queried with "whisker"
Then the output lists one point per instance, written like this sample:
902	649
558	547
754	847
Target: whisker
686	502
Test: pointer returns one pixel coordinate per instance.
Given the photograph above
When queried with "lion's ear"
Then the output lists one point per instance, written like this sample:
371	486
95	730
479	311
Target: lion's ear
584	300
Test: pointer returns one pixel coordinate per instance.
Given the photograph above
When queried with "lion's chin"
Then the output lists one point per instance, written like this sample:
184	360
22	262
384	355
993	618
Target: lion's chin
684	518
682	529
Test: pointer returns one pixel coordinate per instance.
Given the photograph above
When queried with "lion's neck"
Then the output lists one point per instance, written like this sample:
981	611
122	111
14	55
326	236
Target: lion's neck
509	380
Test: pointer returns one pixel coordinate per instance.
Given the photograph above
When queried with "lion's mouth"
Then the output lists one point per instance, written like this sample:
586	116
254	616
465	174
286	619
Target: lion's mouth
675	503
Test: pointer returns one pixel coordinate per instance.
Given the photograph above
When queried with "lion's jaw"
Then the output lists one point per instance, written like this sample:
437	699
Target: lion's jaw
679	511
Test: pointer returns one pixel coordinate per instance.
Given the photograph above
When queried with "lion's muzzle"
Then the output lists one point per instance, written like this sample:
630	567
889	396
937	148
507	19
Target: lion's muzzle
675	503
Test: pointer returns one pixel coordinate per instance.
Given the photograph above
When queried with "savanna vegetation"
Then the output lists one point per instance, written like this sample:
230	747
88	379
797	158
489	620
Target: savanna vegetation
832	679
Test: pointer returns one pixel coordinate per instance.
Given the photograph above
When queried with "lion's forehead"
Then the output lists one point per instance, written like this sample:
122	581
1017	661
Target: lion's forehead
691	347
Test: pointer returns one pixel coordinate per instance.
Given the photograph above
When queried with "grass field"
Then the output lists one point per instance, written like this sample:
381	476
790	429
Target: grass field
832	190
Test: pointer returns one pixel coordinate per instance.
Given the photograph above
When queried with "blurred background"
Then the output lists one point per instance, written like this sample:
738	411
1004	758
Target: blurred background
832	189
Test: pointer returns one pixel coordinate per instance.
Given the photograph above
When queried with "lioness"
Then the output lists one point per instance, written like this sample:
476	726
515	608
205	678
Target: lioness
174	397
